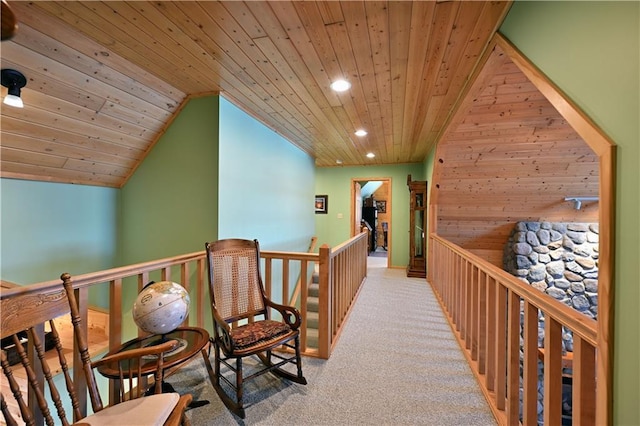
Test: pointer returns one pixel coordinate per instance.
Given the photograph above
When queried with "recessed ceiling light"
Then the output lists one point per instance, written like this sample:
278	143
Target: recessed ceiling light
361	132
340	85
338	161
371	155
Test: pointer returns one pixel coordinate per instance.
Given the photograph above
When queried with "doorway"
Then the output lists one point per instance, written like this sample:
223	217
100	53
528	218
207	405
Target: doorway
372	196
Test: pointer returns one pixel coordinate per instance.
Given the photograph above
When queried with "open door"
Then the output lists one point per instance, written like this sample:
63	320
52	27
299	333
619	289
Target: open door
380	190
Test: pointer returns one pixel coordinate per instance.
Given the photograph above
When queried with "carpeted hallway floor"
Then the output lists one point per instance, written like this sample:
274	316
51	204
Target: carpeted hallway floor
396	363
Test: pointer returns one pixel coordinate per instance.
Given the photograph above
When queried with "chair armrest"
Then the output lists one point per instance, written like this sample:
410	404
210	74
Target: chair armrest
177	415
136	353
290	315
222	331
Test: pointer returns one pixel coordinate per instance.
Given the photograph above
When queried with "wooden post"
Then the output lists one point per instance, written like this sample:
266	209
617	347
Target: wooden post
324	302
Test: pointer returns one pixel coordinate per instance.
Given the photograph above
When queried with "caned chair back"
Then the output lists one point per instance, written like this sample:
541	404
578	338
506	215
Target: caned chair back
236	285
237	293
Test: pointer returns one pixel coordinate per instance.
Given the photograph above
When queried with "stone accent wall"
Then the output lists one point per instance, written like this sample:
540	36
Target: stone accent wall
560	259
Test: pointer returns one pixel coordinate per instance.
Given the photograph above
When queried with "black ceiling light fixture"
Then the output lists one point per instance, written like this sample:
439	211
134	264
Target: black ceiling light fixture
14	81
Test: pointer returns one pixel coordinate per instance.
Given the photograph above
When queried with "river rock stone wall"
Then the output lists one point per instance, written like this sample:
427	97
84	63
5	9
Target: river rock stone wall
560	259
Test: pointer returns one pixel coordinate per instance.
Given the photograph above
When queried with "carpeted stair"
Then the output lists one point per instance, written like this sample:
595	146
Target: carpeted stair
312	311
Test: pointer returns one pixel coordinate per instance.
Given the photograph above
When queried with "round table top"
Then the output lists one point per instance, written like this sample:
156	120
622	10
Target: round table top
191	340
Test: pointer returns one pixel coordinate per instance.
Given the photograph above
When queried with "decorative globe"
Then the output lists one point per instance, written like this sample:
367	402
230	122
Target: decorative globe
161	307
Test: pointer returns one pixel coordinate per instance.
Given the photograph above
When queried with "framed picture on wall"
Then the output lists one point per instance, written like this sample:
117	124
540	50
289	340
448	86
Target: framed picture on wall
382	206
322	204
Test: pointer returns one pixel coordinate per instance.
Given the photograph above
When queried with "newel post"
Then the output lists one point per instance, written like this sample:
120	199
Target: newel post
324	302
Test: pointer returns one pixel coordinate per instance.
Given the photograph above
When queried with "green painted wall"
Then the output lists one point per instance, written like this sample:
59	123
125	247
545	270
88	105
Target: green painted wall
591	50
49	228
336	183
169	206
267	184
170	203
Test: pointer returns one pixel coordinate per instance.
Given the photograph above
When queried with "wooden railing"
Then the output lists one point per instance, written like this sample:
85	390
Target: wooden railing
342	271
341	277
488	309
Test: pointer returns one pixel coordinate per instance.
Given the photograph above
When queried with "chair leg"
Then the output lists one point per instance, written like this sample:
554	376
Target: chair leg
297	378
212	375
239	383
215	375
299	361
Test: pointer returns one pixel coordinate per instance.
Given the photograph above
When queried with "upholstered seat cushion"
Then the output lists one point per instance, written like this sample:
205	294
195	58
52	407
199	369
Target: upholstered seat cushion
257	333
148	410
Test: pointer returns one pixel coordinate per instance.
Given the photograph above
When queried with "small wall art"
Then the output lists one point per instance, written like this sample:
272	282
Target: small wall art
382	206
322	204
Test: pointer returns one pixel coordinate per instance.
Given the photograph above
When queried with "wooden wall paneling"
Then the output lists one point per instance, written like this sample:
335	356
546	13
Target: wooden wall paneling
61	175
304	64
20	156
420	49
134	128
249	56
399	33
71	151
32	15
49	86
91	64
430	102
20	127
378	26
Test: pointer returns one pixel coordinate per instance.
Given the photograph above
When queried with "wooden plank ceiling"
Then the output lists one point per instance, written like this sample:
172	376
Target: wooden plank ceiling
106	78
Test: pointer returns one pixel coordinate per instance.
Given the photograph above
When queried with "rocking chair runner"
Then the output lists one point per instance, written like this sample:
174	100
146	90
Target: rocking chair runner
237	295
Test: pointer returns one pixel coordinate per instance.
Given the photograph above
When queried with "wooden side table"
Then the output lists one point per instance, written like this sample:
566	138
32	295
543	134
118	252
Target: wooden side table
191	340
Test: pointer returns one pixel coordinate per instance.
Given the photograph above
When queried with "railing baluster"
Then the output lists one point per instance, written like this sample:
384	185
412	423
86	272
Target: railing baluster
201	293
482	322
584	383
285	281
267	275
513	358
491	333
186	283
501	347
552	371
530	373
474	320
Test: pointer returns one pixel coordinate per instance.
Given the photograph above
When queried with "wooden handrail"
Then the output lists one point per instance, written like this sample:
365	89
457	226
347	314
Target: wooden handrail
495	318
92	278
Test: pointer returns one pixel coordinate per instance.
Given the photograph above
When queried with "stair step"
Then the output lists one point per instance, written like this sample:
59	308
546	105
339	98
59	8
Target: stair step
312	304
313	319
314	290
312	338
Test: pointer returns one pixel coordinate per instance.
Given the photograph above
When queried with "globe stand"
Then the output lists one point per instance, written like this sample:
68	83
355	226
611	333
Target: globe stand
162	338
166	386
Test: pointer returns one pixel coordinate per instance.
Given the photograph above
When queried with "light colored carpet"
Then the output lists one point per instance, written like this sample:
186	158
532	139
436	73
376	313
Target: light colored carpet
396	363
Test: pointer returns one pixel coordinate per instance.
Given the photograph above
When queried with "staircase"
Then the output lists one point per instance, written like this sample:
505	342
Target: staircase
312	310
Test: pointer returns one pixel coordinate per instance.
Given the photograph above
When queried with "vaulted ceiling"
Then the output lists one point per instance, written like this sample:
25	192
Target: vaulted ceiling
105	79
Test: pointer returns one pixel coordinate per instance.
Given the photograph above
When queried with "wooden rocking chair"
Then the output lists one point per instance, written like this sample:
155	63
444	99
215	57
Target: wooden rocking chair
242	320
23	319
